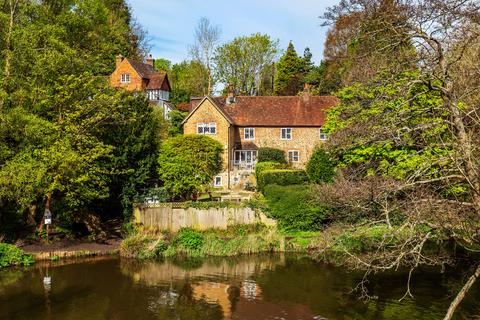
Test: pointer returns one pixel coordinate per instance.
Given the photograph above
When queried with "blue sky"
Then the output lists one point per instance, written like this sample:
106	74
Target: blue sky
171	23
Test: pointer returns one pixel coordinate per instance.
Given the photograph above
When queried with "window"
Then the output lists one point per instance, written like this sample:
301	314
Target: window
217	181
207	128
323	135
248	157
286	134
293	156
249	133
125	78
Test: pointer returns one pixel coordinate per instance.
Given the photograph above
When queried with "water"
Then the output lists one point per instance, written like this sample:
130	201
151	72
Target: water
255	287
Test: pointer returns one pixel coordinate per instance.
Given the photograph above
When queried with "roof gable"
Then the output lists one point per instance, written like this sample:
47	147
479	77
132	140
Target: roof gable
213	102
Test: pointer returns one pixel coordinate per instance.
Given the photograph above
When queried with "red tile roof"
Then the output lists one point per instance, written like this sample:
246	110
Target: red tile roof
156	80
276	111
183	106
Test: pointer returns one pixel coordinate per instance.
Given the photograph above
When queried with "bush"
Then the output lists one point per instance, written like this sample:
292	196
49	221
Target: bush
281	178
189	239
320	168
271	155
269	165
294	208
10	255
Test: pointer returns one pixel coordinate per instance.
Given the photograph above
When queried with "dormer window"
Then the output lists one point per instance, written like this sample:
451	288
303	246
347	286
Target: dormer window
125	78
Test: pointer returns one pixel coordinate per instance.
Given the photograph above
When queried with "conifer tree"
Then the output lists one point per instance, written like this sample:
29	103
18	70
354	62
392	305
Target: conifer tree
289	73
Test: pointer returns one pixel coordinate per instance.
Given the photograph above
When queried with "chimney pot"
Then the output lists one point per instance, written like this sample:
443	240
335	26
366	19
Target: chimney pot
150	61
231	94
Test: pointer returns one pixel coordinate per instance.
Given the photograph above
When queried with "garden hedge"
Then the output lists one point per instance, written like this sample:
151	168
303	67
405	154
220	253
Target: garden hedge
281	177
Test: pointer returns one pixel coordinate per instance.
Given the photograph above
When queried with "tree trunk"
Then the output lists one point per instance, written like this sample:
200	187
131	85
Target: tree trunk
47	206
462	294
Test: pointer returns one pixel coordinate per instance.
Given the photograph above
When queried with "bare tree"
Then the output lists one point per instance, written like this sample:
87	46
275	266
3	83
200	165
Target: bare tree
444	37
207	37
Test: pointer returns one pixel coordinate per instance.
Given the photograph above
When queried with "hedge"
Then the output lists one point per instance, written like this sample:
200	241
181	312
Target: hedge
281	177
271	155
269	165
295	208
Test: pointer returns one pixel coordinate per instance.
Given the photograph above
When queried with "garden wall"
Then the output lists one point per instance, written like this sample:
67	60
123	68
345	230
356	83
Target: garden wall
166	217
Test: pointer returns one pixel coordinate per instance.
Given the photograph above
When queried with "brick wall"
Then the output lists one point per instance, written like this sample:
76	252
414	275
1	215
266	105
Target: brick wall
136	82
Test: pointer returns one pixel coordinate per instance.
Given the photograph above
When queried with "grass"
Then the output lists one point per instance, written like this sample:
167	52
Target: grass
10	255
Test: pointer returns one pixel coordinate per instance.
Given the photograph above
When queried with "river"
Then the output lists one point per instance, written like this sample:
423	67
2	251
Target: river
250	287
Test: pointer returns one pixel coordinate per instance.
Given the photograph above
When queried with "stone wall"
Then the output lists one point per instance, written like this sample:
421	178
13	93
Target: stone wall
166	217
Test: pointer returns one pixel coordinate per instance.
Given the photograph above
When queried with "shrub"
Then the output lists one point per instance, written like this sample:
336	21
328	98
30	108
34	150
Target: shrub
10	255
281	178
320	168
294	207
271	155
269	165
189	239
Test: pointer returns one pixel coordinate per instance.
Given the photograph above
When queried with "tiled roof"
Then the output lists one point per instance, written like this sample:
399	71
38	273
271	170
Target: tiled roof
183	106
156	79
277	111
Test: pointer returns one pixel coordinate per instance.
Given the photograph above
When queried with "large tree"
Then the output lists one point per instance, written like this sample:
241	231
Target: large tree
244	61
290	68
415	119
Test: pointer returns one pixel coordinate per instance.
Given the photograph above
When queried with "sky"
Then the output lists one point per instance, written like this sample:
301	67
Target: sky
171	23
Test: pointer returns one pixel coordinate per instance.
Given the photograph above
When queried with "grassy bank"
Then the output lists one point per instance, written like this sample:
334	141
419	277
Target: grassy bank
10	255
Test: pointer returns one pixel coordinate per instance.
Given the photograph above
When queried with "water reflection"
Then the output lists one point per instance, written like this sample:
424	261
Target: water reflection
254	287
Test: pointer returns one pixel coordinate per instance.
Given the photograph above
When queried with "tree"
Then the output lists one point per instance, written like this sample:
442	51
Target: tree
416	122
206	39
163	65
243	61
320	168
290	69
188	163
188	78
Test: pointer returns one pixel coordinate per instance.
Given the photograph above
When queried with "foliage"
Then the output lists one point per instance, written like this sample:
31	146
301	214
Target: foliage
142	247
281	177
289	73
269	165
10	255
189	239
244	60
320	168
267	154
294	207
176	119
187	164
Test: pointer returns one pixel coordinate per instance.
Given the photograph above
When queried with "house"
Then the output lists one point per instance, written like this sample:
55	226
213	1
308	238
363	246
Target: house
139	76
243	124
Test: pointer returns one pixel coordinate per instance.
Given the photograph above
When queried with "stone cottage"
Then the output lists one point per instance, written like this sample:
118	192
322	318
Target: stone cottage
243	124
139	76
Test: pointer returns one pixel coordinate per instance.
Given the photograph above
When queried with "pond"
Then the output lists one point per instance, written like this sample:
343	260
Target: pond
250	287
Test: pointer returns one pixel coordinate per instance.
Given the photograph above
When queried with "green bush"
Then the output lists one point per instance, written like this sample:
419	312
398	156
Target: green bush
320	168
269	165
281	178
271	155
189	239
294	207
10	255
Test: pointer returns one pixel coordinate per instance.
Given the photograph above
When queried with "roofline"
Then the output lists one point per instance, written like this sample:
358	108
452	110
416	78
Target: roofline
133	67
214	104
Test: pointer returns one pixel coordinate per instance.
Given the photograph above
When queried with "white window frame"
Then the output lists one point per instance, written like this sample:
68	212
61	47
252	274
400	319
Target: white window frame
251	133
207	128
125	78
217	181
322	135
292	154
288	134
250	157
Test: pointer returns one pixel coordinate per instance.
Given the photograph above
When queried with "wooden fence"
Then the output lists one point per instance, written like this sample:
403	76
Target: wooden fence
170	216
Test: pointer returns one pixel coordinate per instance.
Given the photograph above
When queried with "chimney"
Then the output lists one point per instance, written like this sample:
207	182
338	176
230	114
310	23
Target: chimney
118	60
231	94
150	61
306	92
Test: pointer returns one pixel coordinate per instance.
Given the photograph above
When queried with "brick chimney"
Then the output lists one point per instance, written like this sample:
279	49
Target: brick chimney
118	59
150	61
231	94
306	92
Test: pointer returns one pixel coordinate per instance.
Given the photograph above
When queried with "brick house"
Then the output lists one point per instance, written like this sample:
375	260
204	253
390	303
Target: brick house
245	123
139	76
